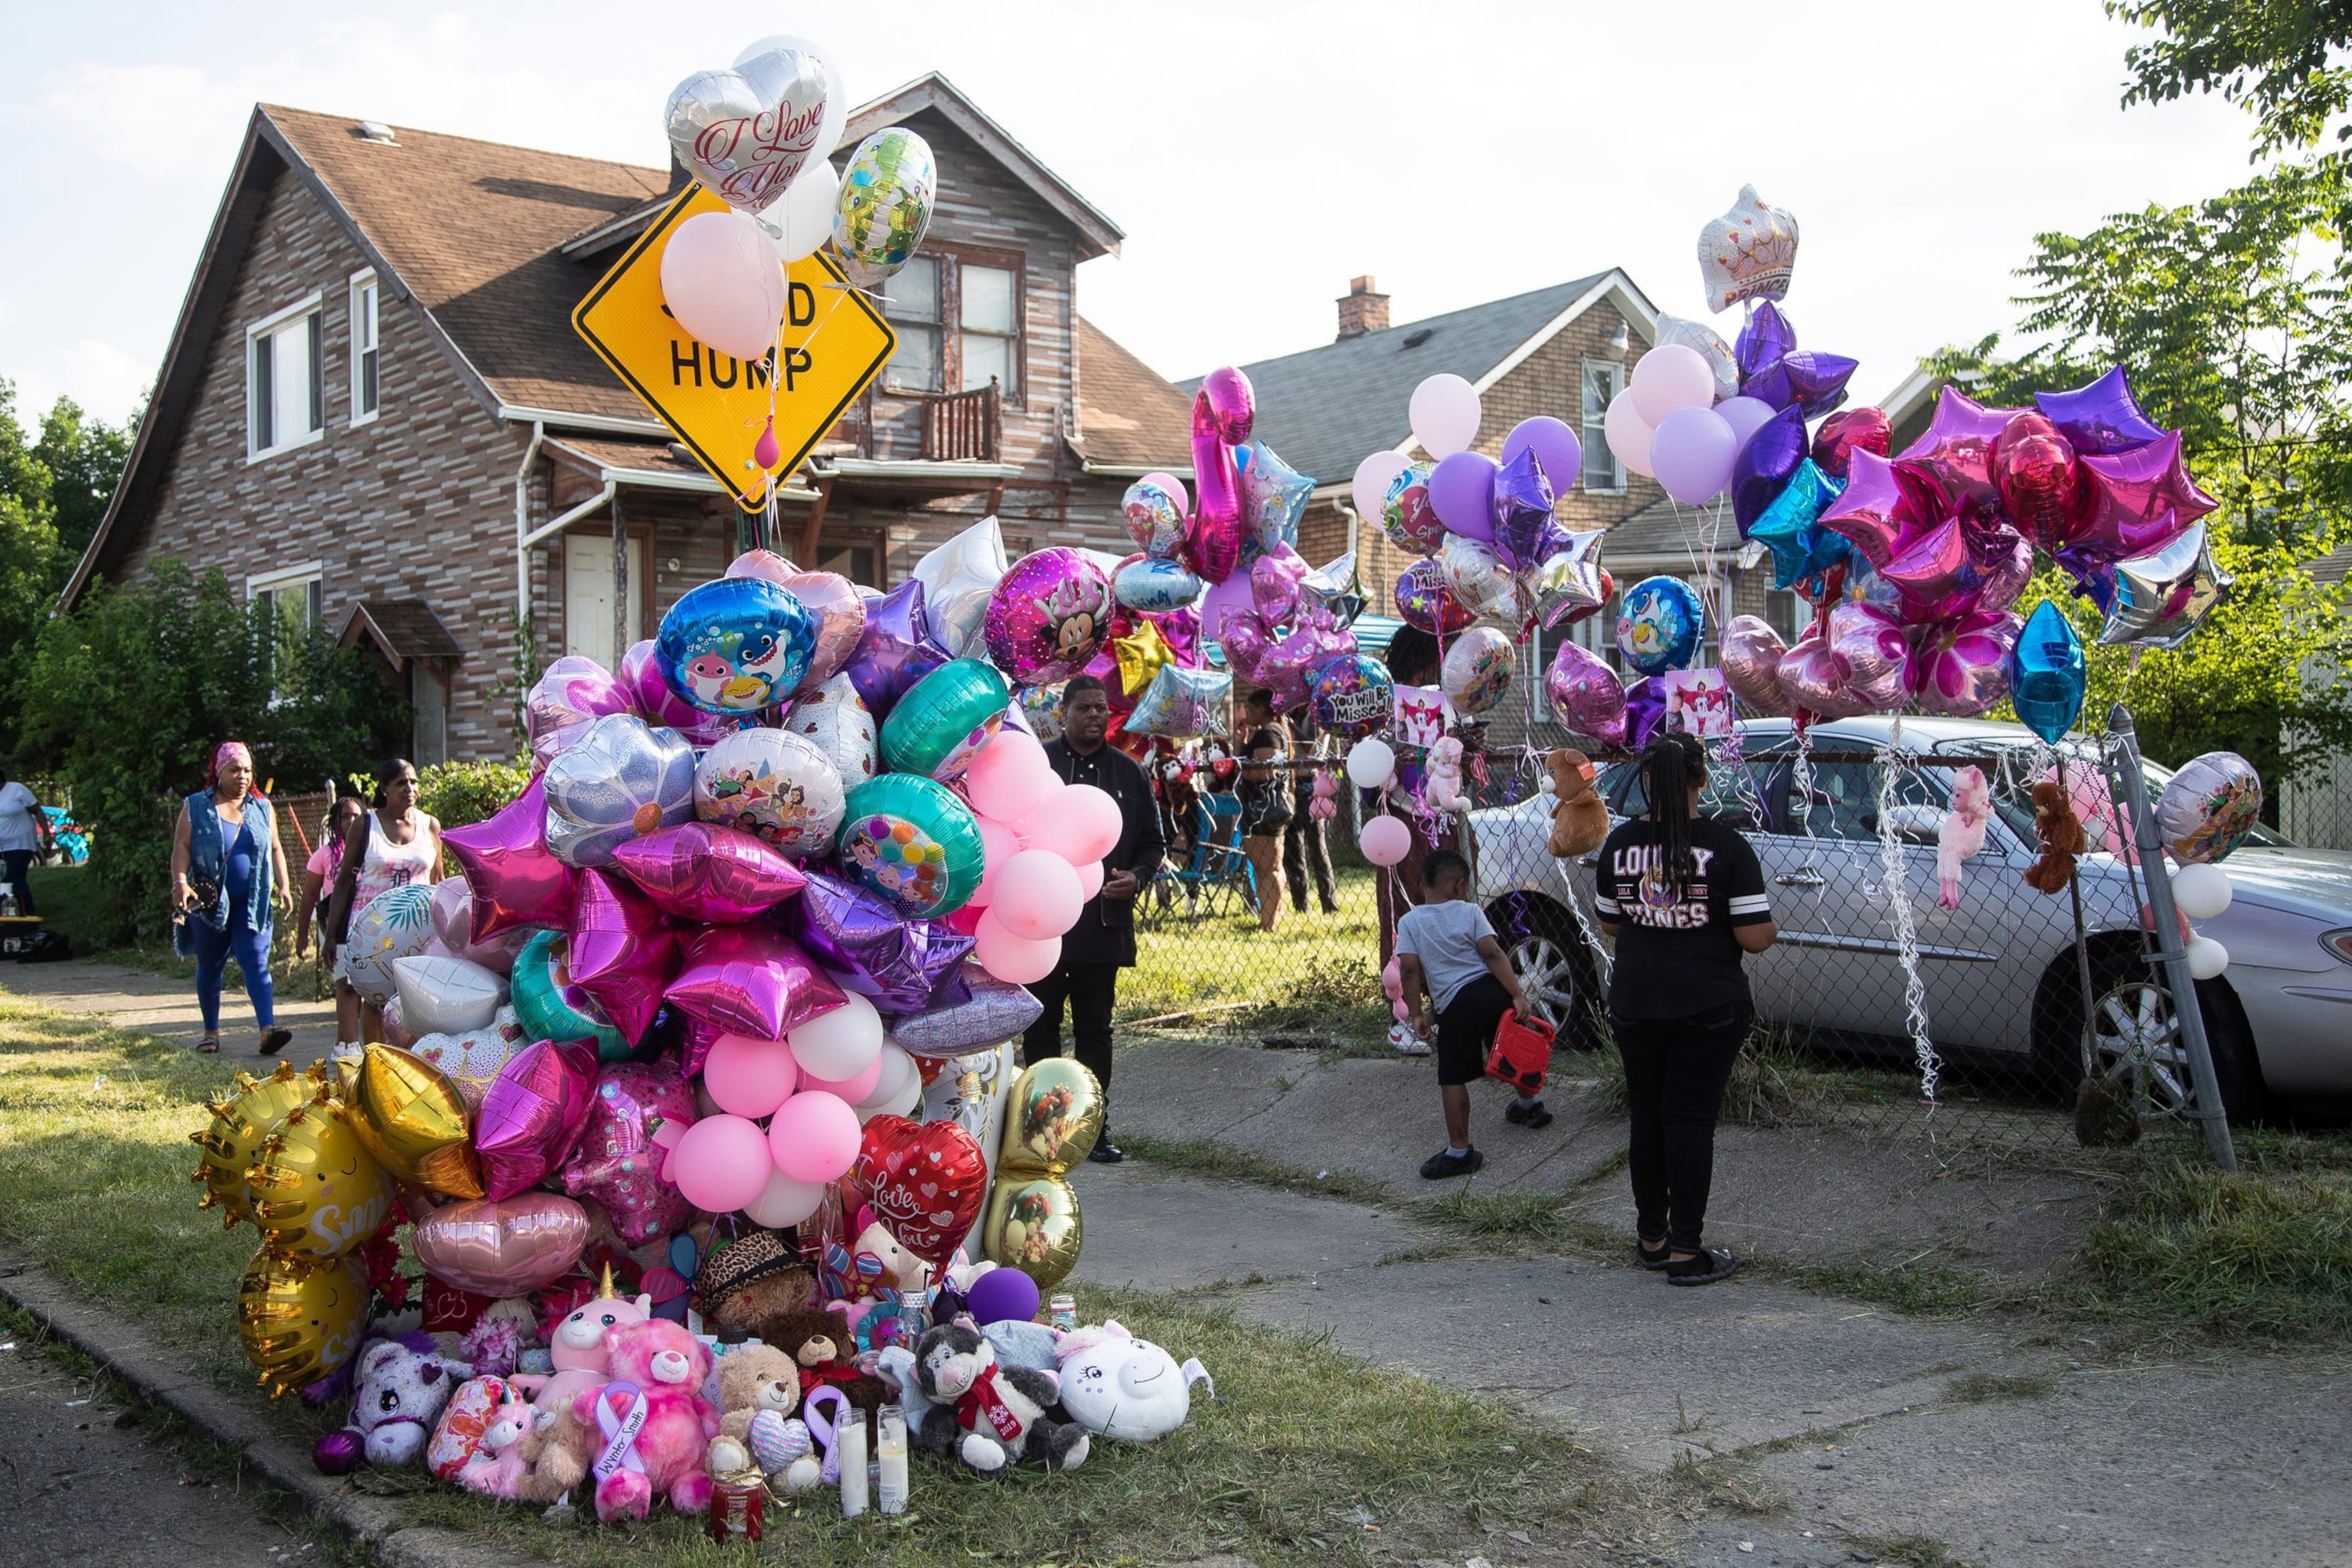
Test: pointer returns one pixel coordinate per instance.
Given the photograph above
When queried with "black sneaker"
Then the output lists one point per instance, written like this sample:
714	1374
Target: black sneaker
1530	1113
1106	1152
1444	1163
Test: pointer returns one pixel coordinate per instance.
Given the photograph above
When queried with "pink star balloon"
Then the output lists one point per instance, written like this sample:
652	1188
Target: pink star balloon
635	1116
702	871
1958	447
1884	507
623	952
516	881
751	980
2138	500
533	1114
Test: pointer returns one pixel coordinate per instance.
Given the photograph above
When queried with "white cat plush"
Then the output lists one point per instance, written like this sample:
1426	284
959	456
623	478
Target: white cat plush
1120	1386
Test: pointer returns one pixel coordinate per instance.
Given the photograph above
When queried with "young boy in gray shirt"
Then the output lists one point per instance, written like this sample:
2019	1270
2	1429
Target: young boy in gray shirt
1447	951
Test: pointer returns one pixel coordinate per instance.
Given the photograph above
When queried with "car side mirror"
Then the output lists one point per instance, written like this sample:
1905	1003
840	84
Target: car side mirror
1914	824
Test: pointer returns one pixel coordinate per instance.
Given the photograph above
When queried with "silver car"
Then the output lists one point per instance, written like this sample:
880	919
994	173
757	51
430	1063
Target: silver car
2001	984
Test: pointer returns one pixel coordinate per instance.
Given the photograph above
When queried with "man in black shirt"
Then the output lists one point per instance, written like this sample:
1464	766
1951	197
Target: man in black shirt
1103	942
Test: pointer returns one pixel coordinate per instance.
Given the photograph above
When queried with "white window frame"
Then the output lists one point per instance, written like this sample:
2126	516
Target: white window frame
1012	337
266	326
1592	434
364	285
286	577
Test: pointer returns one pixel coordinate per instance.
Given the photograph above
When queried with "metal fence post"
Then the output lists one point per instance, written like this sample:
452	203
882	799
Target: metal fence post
2169	951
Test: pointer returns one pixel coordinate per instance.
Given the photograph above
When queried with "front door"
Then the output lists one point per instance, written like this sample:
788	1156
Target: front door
588	595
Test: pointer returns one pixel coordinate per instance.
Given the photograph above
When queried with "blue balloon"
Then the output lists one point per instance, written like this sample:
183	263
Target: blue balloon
735	645
1660	623
1788	527
1155	587
2046	674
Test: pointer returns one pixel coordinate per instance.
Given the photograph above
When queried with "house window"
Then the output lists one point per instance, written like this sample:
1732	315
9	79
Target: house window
588	595
285	394
910	299
292	595
1780	612
364	386
855	561
1603	380
992	328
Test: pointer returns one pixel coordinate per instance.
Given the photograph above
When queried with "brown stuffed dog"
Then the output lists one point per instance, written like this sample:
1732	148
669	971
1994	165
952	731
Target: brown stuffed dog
2061	834
1579	819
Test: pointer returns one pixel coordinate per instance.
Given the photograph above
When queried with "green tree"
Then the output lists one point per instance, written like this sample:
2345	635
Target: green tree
2278	58
85	458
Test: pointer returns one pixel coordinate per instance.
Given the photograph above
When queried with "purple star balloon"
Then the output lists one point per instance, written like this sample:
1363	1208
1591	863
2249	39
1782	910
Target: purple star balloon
1774	371
533	1114
2100	419
703	872
1766	464
751	980
858	939
896	650
1956	448
516	880
993	1011
1764	339
618	1163
624	953
1523	501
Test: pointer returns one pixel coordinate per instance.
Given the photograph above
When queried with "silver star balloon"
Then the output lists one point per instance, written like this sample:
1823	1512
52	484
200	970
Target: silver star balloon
1569	580
1335	586
2165	594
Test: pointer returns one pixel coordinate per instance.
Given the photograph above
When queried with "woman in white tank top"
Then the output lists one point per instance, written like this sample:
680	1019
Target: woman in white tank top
390	847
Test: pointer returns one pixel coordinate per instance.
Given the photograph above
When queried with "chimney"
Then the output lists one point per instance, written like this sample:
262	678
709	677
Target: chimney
1363	310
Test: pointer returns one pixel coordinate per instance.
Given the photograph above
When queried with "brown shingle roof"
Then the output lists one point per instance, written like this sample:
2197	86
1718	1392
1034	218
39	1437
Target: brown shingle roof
639	457
402	629
1129	416
473	228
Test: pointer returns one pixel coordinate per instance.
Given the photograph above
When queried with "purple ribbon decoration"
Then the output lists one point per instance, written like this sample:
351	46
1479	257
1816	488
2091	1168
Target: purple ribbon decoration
620	1431
824	1428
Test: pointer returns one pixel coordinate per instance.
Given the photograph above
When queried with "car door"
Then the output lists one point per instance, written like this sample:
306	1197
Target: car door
1800	874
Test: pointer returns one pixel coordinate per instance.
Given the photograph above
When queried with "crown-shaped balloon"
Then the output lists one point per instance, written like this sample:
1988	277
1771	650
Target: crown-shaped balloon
1748	253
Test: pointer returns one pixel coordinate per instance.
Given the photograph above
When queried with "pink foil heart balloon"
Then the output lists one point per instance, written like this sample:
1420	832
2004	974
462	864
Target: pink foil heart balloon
501	1247
702	871
637	1114
517	882
624	953
453	923
751	980
534	1114
574	693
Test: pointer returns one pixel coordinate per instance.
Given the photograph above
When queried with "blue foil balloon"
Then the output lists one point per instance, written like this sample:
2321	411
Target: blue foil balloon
2046	675
1788	527
1660	623
735	645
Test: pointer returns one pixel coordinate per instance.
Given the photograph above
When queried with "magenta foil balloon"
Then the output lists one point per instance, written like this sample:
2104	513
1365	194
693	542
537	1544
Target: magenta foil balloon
993	1011
1646	709
533	1114
751	979
1049	616
1586	695
2136	501
617	1161
1273	580
1751	661
1423	600
840	614
573	694
624	954
2100	419
1813	678
1873	650
858	939
1245	642
1961	668
453	923
896	650
1956	448
1885	506
651	700
1224	411
517	882
703	872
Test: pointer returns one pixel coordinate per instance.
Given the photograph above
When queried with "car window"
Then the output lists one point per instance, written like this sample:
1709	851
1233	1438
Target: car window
2012	787
1735	793
1842	802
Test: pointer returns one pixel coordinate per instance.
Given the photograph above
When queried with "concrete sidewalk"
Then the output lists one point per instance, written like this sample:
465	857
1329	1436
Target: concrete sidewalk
165	1006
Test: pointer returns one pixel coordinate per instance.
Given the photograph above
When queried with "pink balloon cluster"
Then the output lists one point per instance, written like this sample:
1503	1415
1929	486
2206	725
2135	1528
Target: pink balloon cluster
1043	841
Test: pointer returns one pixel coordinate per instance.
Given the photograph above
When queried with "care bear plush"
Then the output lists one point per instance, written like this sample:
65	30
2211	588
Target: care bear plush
400	1387
668	1366
1580	817
1000	1410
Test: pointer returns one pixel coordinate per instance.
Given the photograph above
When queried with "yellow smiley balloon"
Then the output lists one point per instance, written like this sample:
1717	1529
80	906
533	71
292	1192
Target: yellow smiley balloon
1052	1117
413	1119
1032	1225
232	1141
298	1320
317	1191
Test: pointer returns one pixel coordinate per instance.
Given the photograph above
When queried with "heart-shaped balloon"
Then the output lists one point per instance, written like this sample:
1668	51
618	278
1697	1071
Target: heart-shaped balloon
501	1247
926	1182
746	132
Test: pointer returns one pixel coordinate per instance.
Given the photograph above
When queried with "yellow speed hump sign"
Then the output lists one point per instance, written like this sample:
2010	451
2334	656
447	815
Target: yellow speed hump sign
834	343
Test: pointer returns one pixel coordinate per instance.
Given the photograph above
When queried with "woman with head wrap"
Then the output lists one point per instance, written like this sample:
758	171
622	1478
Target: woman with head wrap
228	879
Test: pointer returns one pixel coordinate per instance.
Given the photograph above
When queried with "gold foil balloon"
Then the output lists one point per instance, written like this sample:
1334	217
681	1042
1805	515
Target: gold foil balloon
317	1191
1056	1115
300	1320
232	1142
413	1120
1032	1225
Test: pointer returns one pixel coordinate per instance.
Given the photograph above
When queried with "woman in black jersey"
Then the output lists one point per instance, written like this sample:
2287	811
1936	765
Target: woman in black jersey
1683	897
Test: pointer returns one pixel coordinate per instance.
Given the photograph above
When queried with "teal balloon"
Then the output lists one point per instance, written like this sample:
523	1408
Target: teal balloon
1790	527
944	720
909	839
550	1007
2046	673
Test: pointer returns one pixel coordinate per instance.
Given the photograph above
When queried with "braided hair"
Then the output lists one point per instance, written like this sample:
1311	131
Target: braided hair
1671	765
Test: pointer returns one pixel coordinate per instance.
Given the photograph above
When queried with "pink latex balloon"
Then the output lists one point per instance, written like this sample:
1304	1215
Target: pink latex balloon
1022	960
1386	840
1095	820
814	1138
502	1247
751	979
722	1163
838	1044
623	952
1009	778
851	1091
637	1110
1090	881
747	1077
453	924
516	881
533	1114
721	280
703	871
1037	896
999	843
1669	377
656	703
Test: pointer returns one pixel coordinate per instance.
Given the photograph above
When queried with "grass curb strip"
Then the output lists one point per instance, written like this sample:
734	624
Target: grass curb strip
378	1528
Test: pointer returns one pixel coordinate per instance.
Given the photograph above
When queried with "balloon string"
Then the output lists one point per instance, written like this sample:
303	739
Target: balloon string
1893	764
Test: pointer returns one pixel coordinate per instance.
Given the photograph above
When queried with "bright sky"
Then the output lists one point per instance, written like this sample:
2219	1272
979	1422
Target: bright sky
1258	154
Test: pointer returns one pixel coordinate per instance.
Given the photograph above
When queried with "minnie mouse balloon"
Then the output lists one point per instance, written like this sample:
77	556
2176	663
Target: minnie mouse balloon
623	781
736	646
1049	616
574	693
776	784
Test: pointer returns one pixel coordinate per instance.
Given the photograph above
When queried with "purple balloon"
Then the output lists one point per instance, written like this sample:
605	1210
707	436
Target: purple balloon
703	872
1766	464
651	700
1003	1295
751	980
1423	600
1812	384
1585	693
2101	418
1555	445
858	937
1049	616
1273	580
1523	502
1462	490
1692	453
992	1010
623	953
533	1114
1646	709
1746	416
1764	339
1233	594
896	650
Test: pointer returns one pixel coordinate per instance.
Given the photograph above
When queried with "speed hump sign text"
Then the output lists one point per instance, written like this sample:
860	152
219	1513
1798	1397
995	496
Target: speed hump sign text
834	343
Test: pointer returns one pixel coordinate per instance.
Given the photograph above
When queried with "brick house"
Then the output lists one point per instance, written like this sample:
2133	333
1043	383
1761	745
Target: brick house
1564	351
375	413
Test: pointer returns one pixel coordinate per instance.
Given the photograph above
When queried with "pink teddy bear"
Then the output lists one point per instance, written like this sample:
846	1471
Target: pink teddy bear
670	1367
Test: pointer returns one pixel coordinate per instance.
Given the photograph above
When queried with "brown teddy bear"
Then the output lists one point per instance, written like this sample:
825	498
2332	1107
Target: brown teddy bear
556	1453
752	1378
2055	824
1579	818
820	1342
751	1278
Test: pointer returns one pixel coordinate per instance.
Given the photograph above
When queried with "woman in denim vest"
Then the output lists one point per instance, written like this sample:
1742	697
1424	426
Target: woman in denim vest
228	875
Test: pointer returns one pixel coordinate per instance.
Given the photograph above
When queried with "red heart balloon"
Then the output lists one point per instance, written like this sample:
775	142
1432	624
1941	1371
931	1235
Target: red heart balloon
925	1182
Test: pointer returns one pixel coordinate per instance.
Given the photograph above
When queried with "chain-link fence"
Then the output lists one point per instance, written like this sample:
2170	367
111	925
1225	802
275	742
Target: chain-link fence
1899	1000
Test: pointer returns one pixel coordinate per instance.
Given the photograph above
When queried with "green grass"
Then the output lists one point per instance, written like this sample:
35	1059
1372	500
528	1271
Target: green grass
1314	974
2260	1254
1916	1551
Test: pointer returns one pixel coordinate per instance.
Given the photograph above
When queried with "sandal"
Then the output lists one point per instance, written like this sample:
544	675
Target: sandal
209	1045
276	1039
1649	1260
1712	1264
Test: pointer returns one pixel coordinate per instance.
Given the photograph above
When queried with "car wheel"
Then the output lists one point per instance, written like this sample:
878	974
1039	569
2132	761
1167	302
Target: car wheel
2135	1042
1547	953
